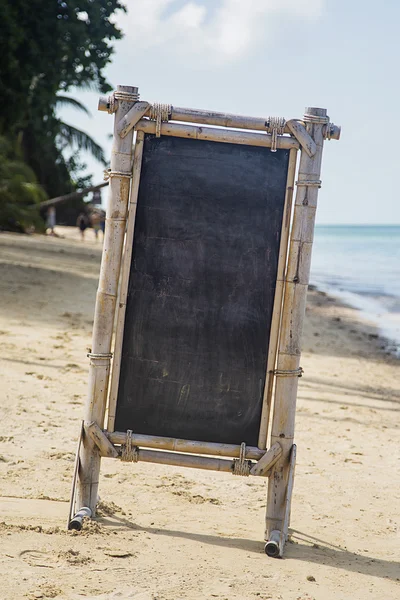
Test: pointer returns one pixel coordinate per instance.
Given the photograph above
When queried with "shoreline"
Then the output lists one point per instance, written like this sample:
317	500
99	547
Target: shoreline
360	327
366	314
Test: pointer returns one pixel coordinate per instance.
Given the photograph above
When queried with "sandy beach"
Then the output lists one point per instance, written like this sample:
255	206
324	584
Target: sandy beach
169	533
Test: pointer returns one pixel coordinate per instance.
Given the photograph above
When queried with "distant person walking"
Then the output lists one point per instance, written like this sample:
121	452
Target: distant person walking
95	220
83	223
51	220
103	222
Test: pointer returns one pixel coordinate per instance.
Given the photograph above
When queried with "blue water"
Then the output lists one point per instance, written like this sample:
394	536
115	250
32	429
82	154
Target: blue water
360	264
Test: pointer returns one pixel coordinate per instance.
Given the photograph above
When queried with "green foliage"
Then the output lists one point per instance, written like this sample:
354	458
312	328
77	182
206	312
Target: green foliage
51	46
20	194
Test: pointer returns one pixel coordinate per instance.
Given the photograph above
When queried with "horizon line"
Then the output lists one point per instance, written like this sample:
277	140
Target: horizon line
357	225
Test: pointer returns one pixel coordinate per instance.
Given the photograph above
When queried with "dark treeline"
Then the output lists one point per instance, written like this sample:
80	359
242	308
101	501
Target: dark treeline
48	47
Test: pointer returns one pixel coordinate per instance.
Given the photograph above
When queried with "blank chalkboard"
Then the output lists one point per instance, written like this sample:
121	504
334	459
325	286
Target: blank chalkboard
201	290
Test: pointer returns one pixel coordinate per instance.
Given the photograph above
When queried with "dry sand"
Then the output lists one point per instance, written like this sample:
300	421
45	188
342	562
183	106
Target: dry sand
171	533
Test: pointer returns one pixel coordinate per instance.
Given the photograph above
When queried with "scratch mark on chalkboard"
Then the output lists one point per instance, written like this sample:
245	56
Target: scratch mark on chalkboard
184	394
141	359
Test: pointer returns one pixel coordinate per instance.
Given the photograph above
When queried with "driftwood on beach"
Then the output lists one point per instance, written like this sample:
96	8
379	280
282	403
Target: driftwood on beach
72	195
203	282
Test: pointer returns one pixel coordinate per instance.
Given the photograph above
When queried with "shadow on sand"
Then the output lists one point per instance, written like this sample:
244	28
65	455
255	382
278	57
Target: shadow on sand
308	549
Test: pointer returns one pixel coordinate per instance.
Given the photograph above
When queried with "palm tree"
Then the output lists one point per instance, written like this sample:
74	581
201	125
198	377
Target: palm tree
71	136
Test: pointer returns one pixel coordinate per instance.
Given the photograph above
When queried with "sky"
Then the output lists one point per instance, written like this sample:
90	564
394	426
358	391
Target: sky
273	58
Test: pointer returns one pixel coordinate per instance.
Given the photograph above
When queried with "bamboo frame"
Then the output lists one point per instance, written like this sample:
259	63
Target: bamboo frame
288	360
277	309
277	539
121	159
101	440
125	269
228	136
194	115
267	461
177	445
192	461
287	319
226	120
145	126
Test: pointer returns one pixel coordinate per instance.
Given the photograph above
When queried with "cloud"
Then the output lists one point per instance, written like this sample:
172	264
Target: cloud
223	30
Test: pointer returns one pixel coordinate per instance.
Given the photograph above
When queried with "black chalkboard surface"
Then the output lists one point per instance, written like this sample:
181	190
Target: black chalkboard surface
201	290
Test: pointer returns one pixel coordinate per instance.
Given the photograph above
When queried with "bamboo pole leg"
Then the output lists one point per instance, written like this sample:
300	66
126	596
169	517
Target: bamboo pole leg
288	361
76	523
121	164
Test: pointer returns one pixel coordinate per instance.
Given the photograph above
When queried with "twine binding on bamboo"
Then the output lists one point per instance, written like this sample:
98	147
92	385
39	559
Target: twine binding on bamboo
112	101
241	466
108	173
315	119
275	126
100	355
126	96
309	183
328	130
159	113
288	372
129	453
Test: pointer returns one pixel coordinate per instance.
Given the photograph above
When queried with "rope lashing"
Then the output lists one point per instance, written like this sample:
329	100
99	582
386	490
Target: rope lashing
288	372
275	126
112	101
129	453
329	128
315	119
98	360
328	131
309	183
126	96
100	355
108	173
241	466
159	113
111	104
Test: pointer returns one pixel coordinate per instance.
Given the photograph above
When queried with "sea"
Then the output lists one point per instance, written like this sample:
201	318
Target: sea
360	265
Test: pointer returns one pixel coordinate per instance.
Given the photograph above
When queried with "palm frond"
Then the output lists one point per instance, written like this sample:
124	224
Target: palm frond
75	137
62	100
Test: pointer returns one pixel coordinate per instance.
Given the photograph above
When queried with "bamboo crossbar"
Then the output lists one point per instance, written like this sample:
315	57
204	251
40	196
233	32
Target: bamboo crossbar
207	117
218	135
190	446
195	115
186	460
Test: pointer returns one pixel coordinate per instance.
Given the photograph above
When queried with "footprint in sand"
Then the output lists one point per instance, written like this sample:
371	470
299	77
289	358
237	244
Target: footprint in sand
50	560
38	558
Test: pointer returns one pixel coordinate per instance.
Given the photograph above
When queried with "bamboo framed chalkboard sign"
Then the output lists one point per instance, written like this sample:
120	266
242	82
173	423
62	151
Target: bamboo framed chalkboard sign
195	355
